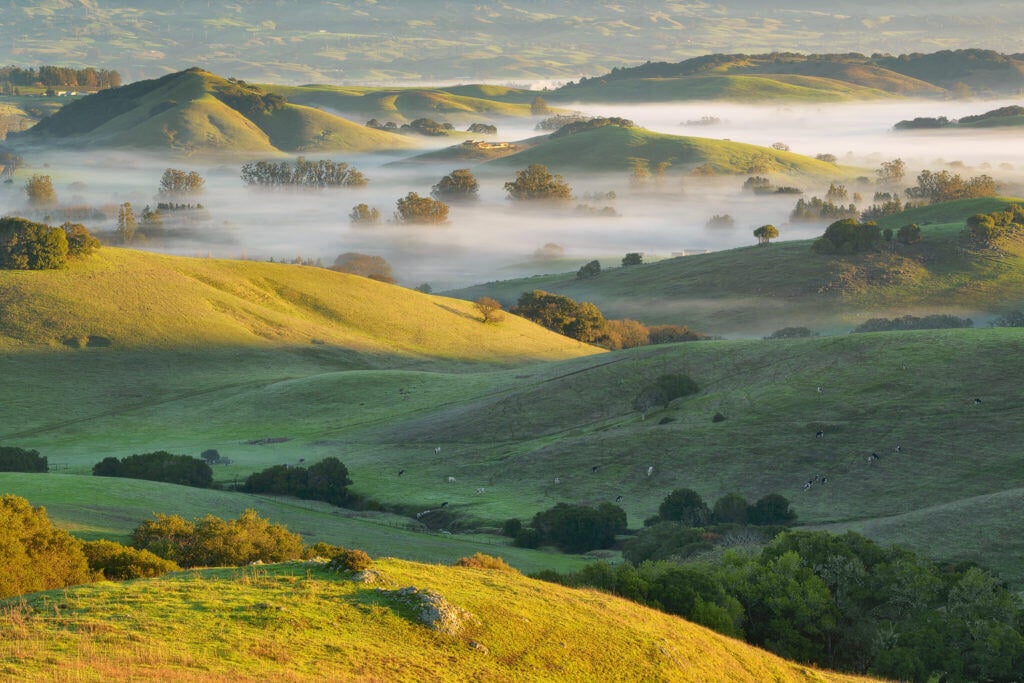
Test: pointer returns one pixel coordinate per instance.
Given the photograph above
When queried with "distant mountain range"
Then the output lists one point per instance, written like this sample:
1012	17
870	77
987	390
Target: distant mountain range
472	40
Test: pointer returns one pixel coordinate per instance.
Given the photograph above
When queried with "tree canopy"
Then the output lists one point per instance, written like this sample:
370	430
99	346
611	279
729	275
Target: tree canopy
413	208
535	182
458	186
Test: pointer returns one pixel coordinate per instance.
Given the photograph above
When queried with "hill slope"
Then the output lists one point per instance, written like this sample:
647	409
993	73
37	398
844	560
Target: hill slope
136	300
756	290
196	111
300	622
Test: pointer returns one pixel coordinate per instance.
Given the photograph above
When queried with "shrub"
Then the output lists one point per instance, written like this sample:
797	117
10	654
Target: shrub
13	459
118	562
351	560
582	321
34	554
791	333
211	541
665	541
910	322
158	466
482	561
665	389
321	549
365	265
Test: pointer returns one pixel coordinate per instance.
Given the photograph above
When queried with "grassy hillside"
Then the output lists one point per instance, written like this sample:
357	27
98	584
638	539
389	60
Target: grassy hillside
196	111
134	300
756	290
300	622
733	88
615	149
460	105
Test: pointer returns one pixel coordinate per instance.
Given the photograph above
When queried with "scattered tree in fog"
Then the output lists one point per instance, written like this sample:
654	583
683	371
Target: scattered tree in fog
127	224
765	234
827	158
781	146
886	204
424	287
373	267
303	173
539	107
482	129
536	183
458	186
363	214
891	172
549	252
39	189
633	258
836	193
413	208
817	209
589	270
489	309
175	183
721	221
945	186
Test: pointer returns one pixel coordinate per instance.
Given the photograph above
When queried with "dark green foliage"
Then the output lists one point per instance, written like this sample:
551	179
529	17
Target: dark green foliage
327	481
35	555
116	562
589	270
158	466
211	541
248	99
176	183
1012	319
670	334
413	208
924	122
909	234
765	234
791	333
560	120
25	245
87	78
424	126
888	206
633	258
665	389
511	527
582	321
13	459
458	186
366	265
910	322
665	541
482	129
847	236
732	508
573	127
686	507
80	240
771	510
303	173
1001	112
535	183
757	184
579	528
210	456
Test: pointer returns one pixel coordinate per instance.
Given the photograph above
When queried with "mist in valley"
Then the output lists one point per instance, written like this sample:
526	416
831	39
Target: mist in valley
496	238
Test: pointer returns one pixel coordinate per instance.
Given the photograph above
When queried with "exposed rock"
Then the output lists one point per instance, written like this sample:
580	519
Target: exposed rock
431	609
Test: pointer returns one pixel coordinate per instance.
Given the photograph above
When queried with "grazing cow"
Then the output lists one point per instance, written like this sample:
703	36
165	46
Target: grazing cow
820	433
595	468
437	450
898	449
977	401
650	470
558	480
451	480
618	499
480	490
873	457
821	390
401	472
807	486
444	504
824	479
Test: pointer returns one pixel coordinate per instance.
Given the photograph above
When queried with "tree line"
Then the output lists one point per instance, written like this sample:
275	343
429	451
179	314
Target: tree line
27	245
60	76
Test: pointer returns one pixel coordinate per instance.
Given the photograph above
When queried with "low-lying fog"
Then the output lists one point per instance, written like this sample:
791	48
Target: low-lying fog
496	238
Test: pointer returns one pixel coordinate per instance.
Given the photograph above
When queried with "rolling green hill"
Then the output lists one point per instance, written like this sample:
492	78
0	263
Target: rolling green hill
457	105
195	111
733	88
301	622
135	300
756	290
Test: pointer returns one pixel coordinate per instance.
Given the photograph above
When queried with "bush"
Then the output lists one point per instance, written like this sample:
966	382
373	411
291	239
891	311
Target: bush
13	459
579	528
482	561
34	554
791	333
589	270
911	322
326	481
158	466
665	541
351	560
847	236
80	241
118	562
665	389
25	245
211	541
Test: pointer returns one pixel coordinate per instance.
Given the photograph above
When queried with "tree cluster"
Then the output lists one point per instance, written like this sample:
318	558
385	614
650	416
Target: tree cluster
482	129
213	542
986	228
458	186
561	314
573	528
847	236
365	265
248	99
685	507
945	186
913	322
412	208
36	556
14	459
840	602
60	76
817	209
157	466
326	481
535	182
578	126
424	126
303	173
176	183
26	245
